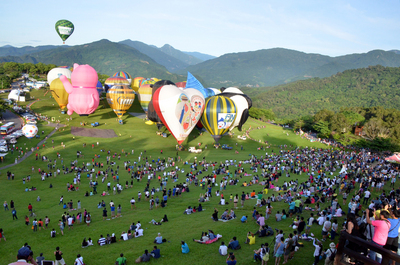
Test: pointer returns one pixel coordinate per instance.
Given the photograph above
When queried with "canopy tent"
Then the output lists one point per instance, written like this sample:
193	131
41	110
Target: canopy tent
393	158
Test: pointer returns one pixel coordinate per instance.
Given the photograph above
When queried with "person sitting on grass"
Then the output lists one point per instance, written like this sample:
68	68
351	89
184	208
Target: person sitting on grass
244	219
234	244
204	238
158	239
250	238
156	253
223	250
144	258
225	215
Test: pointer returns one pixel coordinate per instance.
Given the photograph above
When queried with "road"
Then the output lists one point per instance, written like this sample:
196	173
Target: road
10	116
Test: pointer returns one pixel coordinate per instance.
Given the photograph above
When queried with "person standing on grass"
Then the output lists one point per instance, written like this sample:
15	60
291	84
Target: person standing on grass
59	258
288	248
280	250
2	234
326	228
317	251
243	198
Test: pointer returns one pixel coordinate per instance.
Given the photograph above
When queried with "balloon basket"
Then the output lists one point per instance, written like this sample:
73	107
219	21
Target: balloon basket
121	122
63	112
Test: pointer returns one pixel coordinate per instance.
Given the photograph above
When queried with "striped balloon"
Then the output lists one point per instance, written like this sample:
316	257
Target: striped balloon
125	75
120	99
219	114
114	80
145	94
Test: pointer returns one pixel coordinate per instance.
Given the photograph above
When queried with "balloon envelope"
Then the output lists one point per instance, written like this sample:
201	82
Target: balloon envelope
151	112
64	29
219	114
179	110
115	80
29	130
59	93
120	99
145	94
243	104
125	75
57	72
135	83
181	84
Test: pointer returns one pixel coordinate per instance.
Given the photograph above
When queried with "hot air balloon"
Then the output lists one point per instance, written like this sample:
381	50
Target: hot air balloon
64	29
57	72
151	112
179	110
59	93
115	80
144	94
83	96
29	130
125	75
149	81
219	114
181	84
243	103
136	82
120	99
99	88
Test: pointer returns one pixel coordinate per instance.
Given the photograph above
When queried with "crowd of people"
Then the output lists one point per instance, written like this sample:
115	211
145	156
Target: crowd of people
354	175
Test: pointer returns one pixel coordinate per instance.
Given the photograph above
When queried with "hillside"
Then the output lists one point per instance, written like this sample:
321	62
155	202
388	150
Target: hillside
186	58
105	56
171	63
201	56
14	51
278	66
366	87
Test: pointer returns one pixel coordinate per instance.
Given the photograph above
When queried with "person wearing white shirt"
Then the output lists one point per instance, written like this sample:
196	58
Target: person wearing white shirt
317	251
223	250
321	220
139	232
326	228
78	260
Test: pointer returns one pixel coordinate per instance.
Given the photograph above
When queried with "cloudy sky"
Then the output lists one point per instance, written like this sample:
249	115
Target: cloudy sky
214	27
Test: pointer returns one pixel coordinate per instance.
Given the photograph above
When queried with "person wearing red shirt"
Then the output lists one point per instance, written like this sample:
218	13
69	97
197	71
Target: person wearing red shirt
30	209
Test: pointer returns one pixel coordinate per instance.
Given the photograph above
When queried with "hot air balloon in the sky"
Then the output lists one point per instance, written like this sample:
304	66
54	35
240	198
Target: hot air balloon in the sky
59	93
57	72
115	80
64	29
83	96
219	114
120	99
179	110
125	75
145	94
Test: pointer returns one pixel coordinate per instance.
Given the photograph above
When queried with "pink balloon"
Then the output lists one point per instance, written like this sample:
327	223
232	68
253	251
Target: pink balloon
83	96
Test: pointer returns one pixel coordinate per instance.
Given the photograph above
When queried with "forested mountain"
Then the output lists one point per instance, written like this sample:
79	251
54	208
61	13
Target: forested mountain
201	56
278	66
105	56
186	58
14	51
171	63
365	87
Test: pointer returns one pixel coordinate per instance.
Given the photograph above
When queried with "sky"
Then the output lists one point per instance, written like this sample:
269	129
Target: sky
213	27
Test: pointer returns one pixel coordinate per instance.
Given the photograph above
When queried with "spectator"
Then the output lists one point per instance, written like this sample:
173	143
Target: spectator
159	239
24	256
223	250
234	244
40	259
121	260
382	227
78	260
317	251
101	241
231	259
184	247
156	253
144	258
59	258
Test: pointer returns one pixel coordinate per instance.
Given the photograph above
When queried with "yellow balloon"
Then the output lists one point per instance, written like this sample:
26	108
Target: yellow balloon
135	83
59	93
120	99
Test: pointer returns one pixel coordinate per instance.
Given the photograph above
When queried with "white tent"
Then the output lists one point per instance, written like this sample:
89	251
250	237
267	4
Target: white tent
17	95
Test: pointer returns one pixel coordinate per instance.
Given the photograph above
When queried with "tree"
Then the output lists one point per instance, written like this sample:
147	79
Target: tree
299	124
339	123
323	115
322	127
375	128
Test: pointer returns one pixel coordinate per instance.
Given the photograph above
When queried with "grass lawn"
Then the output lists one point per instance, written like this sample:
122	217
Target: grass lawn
137	136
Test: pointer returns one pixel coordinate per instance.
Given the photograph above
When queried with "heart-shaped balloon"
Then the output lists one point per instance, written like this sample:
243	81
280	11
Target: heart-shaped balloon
178	109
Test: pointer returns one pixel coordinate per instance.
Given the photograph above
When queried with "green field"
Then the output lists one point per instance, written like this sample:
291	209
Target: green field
137	136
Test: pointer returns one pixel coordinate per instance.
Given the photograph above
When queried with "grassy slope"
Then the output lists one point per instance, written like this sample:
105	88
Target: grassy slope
138	136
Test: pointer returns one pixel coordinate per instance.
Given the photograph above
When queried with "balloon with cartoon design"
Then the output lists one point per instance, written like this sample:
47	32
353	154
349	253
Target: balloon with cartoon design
179	110
218	116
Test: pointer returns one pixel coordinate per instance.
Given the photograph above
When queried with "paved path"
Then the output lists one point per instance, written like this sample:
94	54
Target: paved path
10	116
